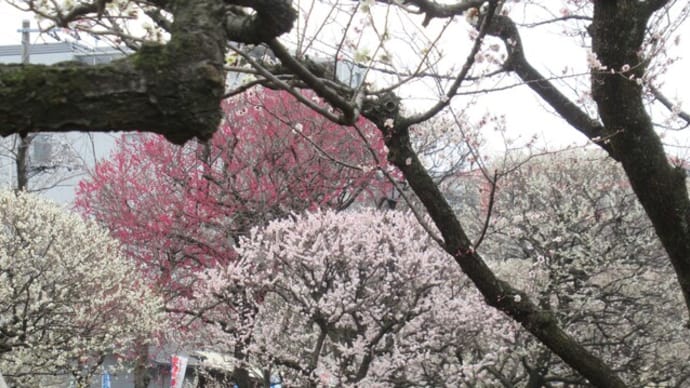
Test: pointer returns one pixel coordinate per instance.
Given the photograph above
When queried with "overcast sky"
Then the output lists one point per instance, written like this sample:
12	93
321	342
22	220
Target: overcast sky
10	22
676	86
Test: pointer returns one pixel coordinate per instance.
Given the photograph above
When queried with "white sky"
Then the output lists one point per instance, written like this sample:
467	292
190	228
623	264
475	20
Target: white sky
10	22
515	103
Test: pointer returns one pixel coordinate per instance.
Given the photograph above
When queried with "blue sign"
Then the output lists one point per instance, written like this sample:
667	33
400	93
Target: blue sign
105	380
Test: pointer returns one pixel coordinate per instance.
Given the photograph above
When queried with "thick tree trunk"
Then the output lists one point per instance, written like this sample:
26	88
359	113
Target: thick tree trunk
23	161
121	96
173	89
627	132
241	378
617	36
141	366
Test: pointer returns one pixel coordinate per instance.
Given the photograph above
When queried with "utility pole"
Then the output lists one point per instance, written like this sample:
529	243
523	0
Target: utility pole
26	41
24	138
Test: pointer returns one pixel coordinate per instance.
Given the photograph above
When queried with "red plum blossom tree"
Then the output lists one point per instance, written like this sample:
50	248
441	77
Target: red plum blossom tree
179	210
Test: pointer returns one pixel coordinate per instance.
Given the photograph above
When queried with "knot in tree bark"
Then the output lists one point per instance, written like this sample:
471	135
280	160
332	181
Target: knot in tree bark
382	111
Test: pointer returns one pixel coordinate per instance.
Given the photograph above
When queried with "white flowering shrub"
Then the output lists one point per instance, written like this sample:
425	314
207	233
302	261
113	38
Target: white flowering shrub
67	295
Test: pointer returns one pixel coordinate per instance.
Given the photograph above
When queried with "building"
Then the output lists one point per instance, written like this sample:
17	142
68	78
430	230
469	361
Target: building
51	53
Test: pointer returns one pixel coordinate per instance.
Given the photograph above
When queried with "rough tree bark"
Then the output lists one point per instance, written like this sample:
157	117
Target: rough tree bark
24	142
617	35
173	89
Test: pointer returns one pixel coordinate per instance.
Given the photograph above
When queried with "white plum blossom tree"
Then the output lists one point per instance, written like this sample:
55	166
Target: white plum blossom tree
571	232
319	299
67	295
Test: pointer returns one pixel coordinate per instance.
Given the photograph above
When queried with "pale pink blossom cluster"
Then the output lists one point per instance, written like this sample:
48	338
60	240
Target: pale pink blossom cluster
355	298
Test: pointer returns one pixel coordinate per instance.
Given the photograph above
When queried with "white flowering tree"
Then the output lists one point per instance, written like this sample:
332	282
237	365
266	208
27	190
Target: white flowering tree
319	299
67	295
571	232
